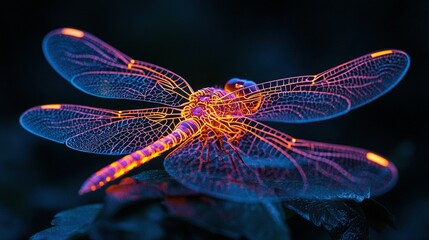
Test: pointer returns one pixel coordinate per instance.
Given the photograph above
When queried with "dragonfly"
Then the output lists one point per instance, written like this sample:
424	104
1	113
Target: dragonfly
219	145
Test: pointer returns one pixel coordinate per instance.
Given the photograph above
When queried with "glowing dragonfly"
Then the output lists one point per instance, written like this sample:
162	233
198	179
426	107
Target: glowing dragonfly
221	148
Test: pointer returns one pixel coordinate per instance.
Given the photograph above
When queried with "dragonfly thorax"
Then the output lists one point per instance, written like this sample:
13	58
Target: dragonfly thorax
239	98
207	104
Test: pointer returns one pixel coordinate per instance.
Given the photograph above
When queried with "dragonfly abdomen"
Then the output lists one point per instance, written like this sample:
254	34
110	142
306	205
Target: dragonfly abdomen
183	131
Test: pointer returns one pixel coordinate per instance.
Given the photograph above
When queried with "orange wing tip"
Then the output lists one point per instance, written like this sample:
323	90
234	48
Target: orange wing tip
377	159
51	106
381	53
72	32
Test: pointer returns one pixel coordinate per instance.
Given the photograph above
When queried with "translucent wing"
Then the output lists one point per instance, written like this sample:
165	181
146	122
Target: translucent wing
319	170
99	69
330	93
99	130
214	167
277	166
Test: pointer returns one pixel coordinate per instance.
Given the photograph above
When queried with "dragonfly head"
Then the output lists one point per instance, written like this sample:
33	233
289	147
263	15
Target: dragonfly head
247	92
240	87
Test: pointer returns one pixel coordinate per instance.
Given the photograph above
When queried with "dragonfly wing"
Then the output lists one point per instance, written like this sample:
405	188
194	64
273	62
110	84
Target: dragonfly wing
330	93
267	164
299	169
97	130
210	166
301	106
99	69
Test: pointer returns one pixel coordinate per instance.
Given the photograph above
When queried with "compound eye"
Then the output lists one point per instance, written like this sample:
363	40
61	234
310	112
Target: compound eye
233	84
236	83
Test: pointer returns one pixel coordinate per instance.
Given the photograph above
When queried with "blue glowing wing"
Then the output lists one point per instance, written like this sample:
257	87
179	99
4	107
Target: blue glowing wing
100	70
98	130
328	94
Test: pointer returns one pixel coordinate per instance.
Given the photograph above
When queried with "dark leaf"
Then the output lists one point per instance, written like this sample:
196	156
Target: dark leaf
229	219
377	215
70	224
152	205
342	220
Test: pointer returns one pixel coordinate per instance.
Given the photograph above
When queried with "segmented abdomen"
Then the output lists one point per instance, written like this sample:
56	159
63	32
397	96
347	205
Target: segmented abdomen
183	131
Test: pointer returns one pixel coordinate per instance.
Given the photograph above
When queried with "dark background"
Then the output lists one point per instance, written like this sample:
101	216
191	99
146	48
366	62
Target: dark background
207	43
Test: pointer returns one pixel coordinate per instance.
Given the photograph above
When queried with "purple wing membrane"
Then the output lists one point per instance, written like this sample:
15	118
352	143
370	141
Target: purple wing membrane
332	92
269	165
97	130
100	70
320	169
